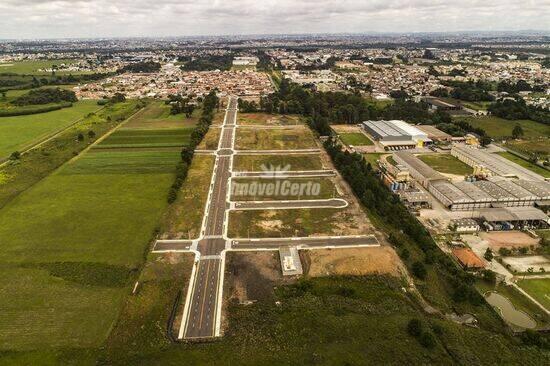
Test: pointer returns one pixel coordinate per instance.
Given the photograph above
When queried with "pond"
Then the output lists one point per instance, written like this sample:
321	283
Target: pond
509	313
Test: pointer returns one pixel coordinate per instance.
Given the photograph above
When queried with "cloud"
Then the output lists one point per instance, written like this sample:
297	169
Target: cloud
102	18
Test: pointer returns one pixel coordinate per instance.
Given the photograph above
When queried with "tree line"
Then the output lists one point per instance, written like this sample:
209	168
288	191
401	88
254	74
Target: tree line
209	106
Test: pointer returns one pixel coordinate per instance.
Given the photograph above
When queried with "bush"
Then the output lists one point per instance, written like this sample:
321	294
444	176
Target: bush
16	155
46	96
414	327
91	134
488	254
427	340
419	270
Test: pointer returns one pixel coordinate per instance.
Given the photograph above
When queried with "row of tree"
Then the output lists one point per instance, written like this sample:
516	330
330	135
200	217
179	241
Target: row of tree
45	96
517	109
209	106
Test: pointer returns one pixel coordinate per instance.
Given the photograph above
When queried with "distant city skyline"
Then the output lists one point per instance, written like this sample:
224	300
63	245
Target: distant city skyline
144	18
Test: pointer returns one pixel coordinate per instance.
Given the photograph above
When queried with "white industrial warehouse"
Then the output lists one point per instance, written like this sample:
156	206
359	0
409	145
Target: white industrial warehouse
396	135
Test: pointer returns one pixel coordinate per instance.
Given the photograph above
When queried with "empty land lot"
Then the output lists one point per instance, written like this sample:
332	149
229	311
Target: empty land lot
499	127
33	67
509	240
272	162
253	189
86	228
274	139
20	132
268	119
446	163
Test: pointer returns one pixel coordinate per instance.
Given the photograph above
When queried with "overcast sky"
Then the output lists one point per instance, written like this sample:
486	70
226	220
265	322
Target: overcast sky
120	18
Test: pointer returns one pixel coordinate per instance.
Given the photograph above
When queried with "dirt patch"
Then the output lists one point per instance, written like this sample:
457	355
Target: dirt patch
523	264
345	128
352	261
509	240
252	276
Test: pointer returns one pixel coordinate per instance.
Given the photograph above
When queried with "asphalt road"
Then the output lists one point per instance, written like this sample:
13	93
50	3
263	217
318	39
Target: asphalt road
257	205
365	240
200	320
287	174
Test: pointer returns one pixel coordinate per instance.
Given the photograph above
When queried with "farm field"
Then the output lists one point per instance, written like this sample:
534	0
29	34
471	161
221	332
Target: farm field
18	175
526	164
19	132
157	116
446	163
498	127
211	139
270	162
538	288
91	222
251	119
274	139
355	139
33	67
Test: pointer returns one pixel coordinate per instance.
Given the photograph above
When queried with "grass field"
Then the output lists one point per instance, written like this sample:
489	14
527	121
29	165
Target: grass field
372	158
33	67
274	139
17	176
498	127
284	223
211	139
321	321
93	217
355	139
183	218
327	189
540	146
539	289
446	163
267	119
292	162
157	116
19	132
91	222
526	164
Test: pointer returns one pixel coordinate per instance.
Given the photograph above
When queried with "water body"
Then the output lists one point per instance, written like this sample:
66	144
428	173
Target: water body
509	312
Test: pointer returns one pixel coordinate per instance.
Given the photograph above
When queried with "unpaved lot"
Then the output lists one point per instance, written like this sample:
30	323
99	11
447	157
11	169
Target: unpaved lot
522	264
508	239
251	276
351	261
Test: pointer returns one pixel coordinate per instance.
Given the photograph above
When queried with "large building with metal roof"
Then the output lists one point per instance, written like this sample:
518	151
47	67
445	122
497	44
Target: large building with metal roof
493	163
396	135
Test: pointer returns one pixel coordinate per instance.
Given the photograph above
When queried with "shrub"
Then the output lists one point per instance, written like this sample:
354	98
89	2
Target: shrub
419	270
414	327
16	155
427	340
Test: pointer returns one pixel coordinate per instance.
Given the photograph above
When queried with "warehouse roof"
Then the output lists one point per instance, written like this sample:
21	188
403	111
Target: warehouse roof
541	189
513	214
478	194
494	190
512	188
434	133
421	167
452	193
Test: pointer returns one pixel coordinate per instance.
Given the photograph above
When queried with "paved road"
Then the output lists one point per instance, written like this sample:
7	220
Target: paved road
265	205
285	174
172	246
200	320
305	243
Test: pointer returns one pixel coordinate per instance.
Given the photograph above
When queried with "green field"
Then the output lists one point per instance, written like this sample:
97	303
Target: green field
33	67
526	164
372	158
251	119
539	289
274	139
355	139
501	128
157	116
540	146
446	163
270	162
64	280
19	132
